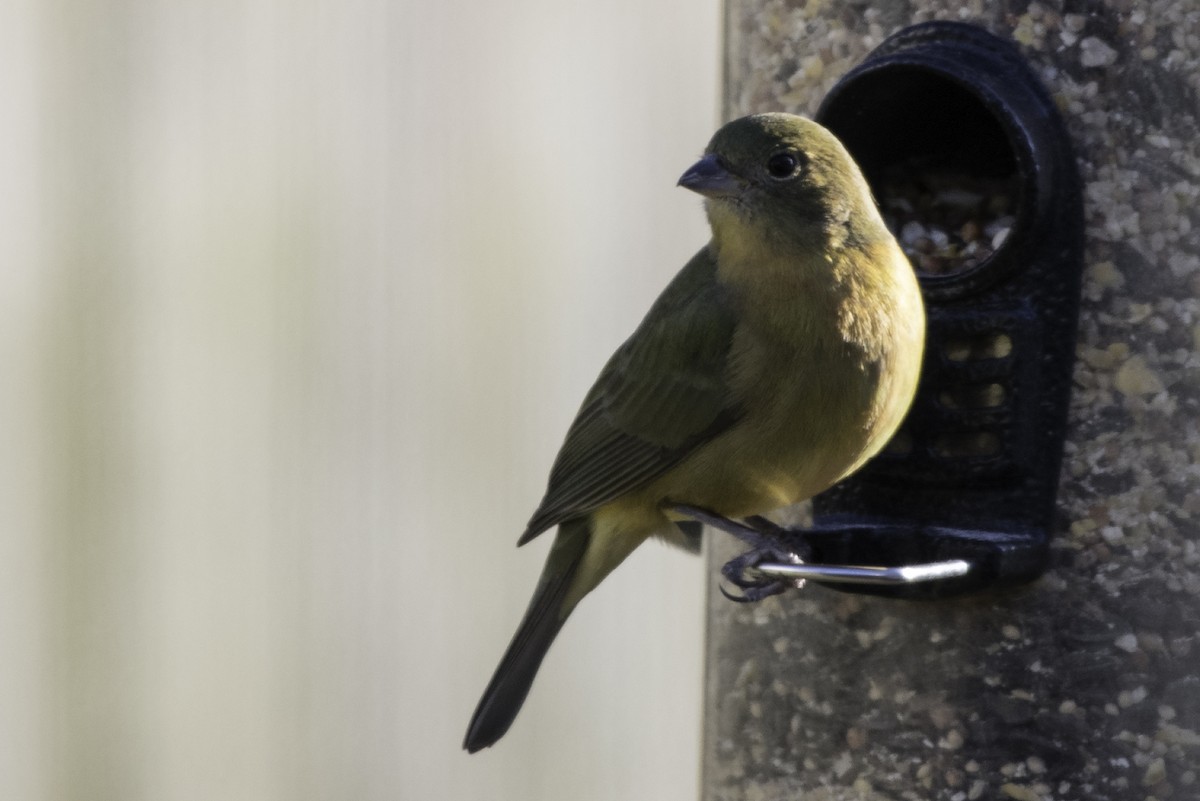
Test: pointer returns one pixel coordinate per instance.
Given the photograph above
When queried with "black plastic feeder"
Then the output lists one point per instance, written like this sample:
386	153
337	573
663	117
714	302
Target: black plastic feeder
955	133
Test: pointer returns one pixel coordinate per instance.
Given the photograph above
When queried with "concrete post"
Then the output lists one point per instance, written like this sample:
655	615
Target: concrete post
1086	683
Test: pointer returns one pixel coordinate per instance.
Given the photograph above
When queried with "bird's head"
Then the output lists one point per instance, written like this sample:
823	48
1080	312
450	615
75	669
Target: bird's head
784	178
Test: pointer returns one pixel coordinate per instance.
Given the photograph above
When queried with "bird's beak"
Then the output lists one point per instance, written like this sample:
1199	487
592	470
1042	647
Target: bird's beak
708	177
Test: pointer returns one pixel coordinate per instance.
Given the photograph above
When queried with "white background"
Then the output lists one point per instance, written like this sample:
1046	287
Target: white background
297	300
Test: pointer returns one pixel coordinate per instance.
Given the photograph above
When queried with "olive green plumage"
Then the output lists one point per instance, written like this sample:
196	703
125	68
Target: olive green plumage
781	357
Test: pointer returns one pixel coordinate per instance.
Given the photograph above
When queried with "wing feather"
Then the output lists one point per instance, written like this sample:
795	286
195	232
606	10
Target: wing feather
662	394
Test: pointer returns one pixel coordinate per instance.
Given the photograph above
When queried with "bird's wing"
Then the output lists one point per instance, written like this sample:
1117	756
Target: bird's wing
663	393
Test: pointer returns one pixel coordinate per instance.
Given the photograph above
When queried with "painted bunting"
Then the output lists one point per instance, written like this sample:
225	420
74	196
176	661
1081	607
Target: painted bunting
781	358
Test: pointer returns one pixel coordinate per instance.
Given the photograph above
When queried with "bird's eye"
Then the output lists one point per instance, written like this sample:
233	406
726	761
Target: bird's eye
782	165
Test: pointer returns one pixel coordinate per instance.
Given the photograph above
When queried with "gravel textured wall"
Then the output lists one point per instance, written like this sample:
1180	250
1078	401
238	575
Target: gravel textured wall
1085	684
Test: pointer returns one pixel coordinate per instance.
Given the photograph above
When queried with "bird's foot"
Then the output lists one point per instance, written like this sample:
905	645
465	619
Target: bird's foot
769	544
741	571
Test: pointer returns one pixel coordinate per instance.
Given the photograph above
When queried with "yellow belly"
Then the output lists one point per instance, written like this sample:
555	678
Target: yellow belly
800	434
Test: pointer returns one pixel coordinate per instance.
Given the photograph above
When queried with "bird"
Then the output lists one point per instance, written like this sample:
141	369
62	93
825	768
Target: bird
782	357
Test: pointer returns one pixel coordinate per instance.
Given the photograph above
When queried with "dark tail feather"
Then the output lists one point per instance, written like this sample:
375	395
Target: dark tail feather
510	684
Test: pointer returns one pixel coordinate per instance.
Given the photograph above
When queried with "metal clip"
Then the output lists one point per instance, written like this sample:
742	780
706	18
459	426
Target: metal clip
862	574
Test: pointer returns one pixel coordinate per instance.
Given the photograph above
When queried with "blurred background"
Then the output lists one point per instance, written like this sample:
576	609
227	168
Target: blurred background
297	301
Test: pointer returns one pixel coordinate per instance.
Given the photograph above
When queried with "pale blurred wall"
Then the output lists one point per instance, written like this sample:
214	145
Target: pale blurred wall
296	302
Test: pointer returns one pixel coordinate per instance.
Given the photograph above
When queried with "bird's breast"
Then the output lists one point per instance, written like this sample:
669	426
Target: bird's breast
821	381
803	426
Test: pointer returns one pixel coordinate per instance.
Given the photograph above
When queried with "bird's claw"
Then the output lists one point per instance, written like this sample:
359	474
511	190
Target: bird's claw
740	572
769	543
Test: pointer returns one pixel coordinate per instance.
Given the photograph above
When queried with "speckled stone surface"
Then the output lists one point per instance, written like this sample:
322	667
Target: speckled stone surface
1085	684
